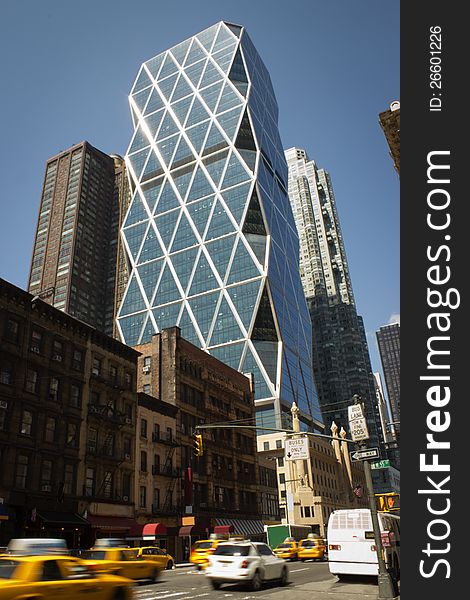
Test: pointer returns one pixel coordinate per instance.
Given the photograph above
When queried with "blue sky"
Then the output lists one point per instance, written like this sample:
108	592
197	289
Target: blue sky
67	68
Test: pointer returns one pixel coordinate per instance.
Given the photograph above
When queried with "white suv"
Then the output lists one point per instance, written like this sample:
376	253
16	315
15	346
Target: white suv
250	562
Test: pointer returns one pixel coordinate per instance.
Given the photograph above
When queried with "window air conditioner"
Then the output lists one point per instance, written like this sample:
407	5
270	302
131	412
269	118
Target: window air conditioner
46	488
146	369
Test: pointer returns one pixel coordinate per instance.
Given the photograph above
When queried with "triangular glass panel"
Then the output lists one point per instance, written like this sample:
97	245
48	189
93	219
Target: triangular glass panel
131	328
147	332
184	236
229	121
141	98
168	199
181	108
188	332
167	128
211	94
226	328
133	236
155	102
220	252
179	51
153	168
139	141
197	113
154	64
199	212
197	134
200	186
224	37
235	173
167	147
236	29
151	191
215	165
237	72
183	264
143	81
224	57
215	141
182	89
195	53
137	161
241	87
194	72
211	75
182	155
153	121
236	199
181	179
136	212
244	298
168	68
254	222
151	248
133	301
166	225
229	354
149	274
229	99
167	290
264	327
220	223
166	316
245	139
203	278
203	308
262	390
207	36
243	266
166	85
249	156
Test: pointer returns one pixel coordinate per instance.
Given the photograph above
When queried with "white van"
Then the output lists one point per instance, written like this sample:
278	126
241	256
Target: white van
351	542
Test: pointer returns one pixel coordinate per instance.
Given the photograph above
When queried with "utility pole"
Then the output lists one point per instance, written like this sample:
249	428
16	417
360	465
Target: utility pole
360	434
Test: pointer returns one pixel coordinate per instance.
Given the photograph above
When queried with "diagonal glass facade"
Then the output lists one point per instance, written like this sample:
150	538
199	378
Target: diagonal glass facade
210	237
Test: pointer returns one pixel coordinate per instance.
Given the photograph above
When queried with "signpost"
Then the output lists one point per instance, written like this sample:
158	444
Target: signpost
364	454
296	448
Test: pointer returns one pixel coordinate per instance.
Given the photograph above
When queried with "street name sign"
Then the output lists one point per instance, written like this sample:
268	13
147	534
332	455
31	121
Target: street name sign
296	449
365	454
380	464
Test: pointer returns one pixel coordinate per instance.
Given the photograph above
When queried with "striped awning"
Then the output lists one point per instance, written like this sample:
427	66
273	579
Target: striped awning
243	526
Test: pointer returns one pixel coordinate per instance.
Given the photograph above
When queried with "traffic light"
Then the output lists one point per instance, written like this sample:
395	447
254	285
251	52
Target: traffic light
198	449
387	502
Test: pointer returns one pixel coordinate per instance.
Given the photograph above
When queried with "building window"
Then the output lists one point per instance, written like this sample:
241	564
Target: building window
90	482
6	373
3	416
108	448
143	497
265	445
54	389
143	461
26	422
307	511
278	444
35	341
50	429
96	368
156	498
127	444
128	380
126	487
69	479
72	435
156	432
77	360
143	428
169	434
46	475
156	464
113	373
282	478
75	395
57	351
12	328
108	484
22	465
92	440
32	381
146	388
280	462
147	361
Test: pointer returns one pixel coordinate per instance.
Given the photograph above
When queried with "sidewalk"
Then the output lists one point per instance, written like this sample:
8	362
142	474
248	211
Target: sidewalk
329	590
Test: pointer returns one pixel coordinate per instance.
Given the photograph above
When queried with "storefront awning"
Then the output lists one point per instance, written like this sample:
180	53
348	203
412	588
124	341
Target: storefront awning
241	526
224	529
191	530
123	524
59	518
152	529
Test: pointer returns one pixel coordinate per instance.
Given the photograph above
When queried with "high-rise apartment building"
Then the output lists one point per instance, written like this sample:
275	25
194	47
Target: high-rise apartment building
390	122
388	339
341	357
77	237
209	235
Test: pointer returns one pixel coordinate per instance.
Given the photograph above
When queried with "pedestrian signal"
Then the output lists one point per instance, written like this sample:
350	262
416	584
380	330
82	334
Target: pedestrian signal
387	502
198	449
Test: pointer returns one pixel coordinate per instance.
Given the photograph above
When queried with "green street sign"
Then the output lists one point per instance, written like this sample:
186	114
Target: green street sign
380	464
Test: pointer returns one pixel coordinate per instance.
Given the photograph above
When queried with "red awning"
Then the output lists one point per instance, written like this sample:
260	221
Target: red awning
154	529
122	524
191	530
225	529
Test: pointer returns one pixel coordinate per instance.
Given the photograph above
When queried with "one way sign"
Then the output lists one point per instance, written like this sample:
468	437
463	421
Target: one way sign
366	454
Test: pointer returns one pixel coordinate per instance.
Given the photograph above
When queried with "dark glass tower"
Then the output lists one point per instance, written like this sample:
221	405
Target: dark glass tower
210	236
388	339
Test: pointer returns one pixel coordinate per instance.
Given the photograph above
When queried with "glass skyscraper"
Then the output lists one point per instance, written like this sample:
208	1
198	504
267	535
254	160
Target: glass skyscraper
210	237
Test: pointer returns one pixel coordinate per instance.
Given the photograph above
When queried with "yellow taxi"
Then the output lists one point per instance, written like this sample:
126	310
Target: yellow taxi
288	550
58	577
201	551
121	561
311	548
158	555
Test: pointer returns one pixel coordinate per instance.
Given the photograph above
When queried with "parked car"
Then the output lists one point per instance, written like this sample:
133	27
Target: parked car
58	577
121	561
246	562
158	555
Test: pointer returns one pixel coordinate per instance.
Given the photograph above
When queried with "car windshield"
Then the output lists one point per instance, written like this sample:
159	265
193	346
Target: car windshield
202	545
7	568
93	555
285	546
309	543
232	550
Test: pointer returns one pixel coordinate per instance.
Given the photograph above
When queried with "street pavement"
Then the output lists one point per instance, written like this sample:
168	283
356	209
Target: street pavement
308	579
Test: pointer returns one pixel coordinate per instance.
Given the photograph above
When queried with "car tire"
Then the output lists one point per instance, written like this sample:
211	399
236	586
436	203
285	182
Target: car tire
215	584
256	582
119	594
169	564
154	576
284	577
